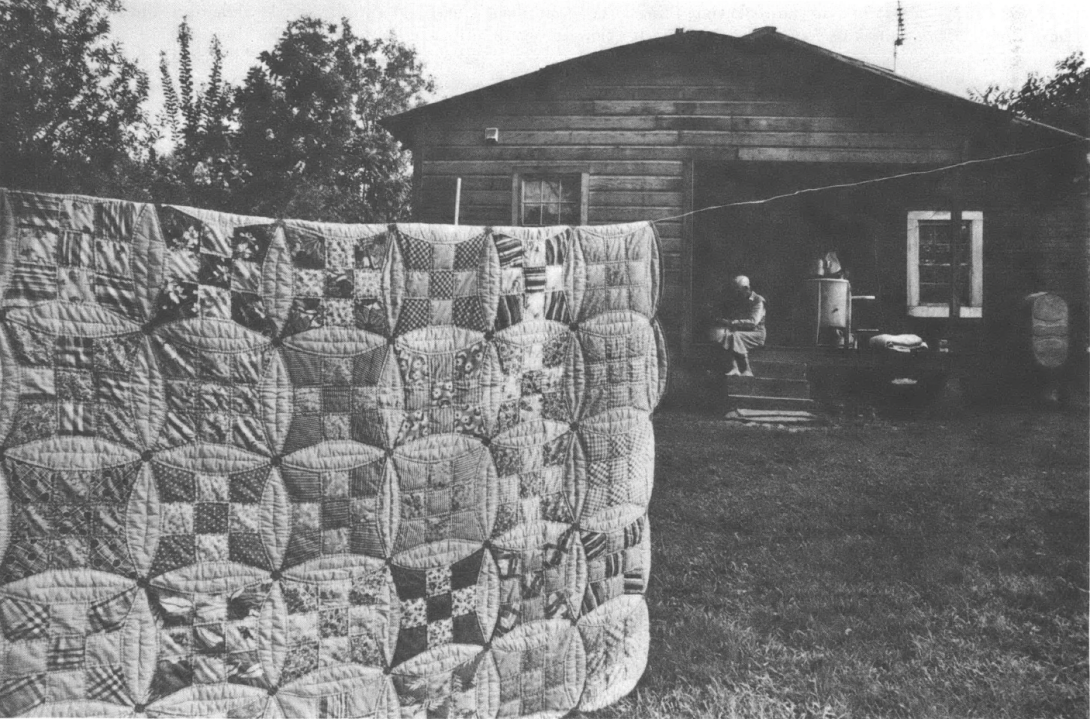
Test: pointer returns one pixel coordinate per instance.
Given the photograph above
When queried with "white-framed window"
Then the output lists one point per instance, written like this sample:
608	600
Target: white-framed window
932	249
544	198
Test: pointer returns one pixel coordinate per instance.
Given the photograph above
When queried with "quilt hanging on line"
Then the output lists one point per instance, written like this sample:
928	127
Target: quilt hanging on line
252	468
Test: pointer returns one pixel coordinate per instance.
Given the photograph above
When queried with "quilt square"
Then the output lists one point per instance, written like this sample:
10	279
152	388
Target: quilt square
446	390
341	397
532	278
70	651
211	396
214	273
619	363
533	364
74	385
444	482
209	518
67	519
442	606
207	638
532	484
337	621
540	576
617	562
334	512
74	251
337	280
441	283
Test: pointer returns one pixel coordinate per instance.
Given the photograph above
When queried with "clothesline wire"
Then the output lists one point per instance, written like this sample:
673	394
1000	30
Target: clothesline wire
871	181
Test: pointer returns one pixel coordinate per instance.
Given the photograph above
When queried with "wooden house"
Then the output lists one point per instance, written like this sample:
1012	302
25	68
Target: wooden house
659	128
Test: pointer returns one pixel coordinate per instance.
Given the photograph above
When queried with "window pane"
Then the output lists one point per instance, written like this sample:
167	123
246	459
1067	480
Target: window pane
569	214
531	190
550	199
936	258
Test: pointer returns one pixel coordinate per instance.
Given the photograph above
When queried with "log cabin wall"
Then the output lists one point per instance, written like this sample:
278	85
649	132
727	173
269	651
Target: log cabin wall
637	120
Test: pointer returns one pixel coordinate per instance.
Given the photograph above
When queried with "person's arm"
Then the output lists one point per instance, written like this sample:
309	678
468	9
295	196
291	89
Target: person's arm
753	319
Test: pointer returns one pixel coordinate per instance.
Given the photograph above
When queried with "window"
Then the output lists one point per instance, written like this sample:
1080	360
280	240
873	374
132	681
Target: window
543	199
931	253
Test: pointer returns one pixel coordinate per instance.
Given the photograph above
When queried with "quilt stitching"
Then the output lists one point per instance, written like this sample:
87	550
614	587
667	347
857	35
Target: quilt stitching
337	281
532	279
73	251
66	519
441	284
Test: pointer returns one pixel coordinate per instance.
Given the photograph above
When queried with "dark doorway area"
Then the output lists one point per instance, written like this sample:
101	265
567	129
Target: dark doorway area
777	243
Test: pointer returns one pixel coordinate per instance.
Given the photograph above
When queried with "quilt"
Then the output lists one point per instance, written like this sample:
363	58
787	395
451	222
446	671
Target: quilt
258	468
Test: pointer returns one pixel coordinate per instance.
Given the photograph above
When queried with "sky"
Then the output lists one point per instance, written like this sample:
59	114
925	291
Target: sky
955	45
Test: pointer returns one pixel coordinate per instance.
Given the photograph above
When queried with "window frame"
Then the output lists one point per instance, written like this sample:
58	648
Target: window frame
522	173
975	308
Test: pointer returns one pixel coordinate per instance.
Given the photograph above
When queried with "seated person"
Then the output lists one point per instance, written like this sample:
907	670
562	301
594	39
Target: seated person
741	325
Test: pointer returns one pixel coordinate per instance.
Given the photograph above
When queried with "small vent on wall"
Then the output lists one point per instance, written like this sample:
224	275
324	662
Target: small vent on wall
492	135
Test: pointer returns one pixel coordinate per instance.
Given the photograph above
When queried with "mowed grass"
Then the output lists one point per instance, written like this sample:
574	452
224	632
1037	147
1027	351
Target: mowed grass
914	568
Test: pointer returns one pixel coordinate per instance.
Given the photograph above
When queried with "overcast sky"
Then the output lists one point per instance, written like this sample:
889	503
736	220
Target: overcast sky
953	45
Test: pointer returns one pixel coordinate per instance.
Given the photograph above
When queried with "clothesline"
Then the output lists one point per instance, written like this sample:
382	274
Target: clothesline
871	181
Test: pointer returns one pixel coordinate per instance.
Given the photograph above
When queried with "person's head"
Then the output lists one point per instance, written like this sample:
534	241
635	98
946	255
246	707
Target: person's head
740	286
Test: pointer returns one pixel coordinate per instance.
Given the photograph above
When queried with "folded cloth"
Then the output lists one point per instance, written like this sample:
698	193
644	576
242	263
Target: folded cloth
898	343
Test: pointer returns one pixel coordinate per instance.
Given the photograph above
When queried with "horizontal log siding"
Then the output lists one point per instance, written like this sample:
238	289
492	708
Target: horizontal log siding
634	133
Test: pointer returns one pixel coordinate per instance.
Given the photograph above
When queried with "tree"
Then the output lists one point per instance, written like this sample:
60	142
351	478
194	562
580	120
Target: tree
71	103
201	165
309	142
1062	100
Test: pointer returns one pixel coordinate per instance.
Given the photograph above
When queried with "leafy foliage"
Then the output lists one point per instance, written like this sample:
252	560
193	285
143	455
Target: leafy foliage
309	143
201	121
71	103
1062	100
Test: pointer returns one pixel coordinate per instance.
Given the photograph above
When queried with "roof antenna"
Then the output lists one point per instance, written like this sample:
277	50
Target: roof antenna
900	33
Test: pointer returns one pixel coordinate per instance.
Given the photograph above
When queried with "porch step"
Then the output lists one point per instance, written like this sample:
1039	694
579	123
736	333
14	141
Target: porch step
798	404
777	369
763	386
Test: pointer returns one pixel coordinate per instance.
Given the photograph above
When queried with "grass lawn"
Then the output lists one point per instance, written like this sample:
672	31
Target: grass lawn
911	568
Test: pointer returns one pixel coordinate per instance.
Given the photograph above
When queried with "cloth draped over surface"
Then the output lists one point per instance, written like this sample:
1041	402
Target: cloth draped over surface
285	468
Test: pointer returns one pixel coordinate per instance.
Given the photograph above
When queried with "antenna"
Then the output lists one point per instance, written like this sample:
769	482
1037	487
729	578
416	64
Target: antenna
900	33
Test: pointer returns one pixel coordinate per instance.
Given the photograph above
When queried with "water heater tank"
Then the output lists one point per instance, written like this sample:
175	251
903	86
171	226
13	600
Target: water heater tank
828	303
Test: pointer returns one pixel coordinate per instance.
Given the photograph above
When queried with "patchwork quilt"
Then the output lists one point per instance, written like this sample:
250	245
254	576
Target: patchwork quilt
293	469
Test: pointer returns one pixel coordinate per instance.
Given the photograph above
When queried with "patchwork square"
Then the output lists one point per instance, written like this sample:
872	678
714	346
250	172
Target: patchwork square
67	519
74	250
343	397
444	599
212	272
208	638
532	468
617	449
532	278
66	647
74	385
209	518
350	620
337	279
213	397
450	385
540	671
541	574
442	283
533	360
444	483
617	562
334	512
620	367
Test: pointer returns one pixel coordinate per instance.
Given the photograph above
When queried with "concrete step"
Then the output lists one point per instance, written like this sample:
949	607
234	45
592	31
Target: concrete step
768	387
776	369
771	403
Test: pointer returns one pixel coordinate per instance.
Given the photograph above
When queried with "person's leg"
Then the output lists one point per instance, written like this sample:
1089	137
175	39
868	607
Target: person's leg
736	346
741	342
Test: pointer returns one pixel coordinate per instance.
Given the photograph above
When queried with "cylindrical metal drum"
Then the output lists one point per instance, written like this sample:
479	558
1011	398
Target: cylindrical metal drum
1045	329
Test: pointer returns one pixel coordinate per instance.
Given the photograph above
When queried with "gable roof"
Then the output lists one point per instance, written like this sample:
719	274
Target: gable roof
399	124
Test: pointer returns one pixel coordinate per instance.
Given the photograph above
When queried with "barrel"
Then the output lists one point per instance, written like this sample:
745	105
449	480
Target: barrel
1045	329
